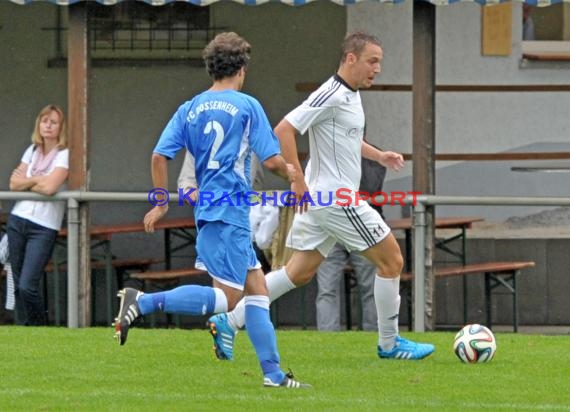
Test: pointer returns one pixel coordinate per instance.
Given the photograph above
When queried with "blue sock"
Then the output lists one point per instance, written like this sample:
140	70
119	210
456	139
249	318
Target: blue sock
183	300
262	336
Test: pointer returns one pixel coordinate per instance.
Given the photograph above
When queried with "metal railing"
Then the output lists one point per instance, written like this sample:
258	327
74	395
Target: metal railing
419	232
74	198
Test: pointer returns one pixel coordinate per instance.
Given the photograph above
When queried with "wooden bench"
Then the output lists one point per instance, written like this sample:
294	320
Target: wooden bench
163	276
496	274
121	266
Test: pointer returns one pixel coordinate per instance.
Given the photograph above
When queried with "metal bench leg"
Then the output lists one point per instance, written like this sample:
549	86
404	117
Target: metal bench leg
465	300
488	305
510	283
515	302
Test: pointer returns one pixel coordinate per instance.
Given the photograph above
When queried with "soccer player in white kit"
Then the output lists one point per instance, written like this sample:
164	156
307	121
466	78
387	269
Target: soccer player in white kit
334	117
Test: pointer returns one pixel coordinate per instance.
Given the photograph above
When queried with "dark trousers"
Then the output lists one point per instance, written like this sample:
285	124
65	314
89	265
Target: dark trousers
30	247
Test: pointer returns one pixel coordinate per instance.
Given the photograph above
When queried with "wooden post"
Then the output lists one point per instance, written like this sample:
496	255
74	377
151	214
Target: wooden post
78	64
423	132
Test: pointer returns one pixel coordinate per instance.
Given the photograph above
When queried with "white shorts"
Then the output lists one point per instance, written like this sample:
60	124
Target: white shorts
355	227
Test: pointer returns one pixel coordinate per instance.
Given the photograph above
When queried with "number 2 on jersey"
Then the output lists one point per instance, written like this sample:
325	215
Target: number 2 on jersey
219	137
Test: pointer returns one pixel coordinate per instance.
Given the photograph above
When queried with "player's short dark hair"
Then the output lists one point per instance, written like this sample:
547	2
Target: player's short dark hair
225	55
355	43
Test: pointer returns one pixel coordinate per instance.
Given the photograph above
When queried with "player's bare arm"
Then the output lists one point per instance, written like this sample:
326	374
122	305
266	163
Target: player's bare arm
194	194
287	138
280	167
187	178
388	159
159	168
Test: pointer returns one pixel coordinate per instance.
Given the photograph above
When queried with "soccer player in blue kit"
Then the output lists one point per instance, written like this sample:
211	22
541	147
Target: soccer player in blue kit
220	127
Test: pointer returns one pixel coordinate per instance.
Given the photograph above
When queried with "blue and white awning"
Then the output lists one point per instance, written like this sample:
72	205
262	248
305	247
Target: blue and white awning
539	3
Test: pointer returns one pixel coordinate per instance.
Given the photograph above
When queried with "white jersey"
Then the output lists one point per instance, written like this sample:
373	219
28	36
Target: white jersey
334	117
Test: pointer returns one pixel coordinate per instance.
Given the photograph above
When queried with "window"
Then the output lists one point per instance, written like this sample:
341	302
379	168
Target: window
546	33
135	32
550	23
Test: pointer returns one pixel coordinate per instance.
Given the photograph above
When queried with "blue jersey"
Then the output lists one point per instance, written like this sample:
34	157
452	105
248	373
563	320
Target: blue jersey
220	129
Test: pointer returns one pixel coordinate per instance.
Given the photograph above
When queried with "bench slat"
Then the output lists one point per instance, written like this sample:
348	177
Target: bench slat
116	263
485	267
125	263
172	274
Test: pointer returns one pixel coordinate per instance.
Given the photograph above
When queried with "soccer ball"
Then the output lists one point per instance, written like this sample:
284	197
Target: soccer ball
474	343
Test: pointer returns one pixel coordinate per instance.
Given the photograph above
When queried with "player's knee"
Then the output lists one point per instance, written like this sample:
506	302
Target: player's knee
301	277
393	265
398	263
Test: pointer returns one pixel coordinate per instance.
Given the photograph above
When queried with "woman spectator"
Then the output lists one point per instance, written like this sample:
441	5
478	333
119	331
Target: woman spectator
33	224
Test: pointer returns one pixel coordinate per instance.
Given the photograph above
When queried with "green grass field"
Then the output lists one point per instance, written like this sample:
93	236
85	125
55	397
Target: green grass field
55	369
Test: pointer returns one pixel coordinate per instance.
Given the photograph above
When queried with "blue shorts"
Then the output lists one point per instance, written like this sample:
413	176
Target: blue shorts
226	252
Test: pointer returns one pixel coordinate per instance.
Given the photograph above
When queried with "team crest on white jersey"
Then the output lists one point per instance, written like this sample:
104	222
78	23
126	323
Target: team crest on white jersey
355	132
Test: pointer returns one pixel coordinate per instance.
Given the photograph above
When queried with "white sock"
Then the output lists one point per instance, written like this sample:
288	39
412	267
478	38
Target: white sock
257	300
236	317
221	304
278	283
387	298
